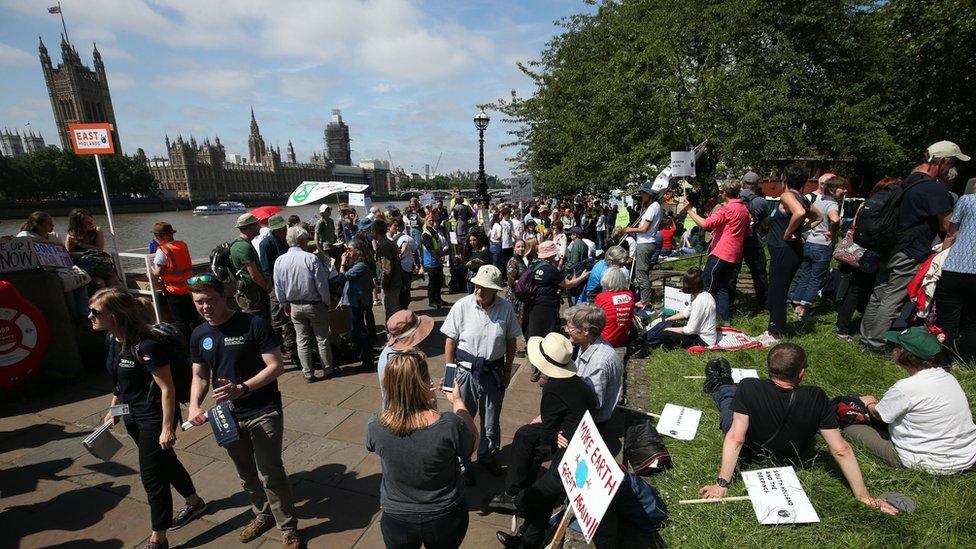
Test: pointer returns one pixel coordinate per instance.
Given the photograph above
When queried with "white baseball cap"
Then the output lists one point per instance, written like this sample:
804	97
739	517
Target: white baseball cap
945	149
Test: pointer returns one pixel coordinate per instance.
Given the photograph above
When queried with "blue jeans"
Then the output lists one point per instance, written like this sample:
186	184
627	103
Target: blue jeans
496	254
601	240
483	398
723	397
443	531
812	273
360	334
719	277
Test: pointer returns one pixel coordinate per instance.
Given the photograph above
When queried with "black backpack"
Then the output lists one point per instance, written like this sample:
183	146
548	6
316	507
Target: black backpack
877	220
179	366
525	288
220	264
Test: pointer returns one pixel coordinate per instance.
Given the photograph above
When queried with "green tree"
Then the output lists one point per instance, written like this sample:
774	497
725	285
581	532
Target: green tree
54	174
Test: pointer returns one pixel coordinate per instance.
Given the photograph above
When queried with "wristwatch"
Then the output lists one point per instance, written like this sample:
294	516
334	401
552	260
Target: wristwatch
245	388
722	482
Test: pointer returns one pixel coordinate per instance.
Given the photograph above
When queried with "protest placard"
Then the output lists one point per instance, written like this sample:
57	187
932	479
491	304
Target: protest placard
675	300
778	497
590	476
683	163
738	374
679	422
454	238
357	199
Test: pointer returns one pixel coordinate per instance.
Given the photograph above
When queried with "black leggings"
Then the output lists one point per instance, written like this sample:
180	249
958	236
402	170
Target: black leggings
955	301
856	295
783	263
159	470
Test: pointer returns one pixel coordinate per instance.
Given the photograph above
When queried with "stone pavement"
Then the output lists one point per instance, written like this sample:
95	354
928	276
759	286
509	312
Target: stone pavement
54	493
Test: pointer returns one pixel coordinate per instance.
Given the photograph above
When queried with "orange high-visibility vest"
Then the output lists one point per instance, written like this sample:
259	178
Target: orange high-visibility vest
178	267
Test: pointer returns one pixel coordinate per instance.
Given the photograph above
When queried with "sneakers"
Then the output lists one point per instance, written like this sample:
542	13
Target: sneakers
718	372
508	540
845	337
187	514
290	540
503	503
767	339
157	544
255	528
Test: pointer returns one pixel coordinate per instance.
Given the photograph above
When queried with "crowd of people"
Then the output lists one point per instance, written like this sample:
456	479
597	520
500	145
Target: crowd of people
573	280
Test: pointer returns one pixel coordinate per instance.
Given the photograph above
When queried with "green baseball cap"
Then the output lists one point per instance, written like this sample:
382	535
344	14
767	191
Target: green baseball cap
916	340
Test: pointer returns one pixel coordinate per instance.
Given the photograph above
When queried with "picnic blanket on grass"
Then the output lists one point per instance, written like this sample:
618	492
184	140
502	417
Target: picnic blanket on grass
731	339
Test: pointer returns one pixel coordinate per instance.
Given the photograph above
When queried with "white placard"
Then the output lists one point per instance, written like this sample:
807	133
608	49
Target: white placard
590	476
682	163
676	300
679	422
453	236
738	374
778	497
357	199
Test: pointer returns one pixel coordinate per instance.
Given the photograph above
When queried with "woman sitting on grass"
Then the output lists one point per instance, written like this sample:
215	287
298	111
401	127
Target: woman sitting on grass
700	327
929	424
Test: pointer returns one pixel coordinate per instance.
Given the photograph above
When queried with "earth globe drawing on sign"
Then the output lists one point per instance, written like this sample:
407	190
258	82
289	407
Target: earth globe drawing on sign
103	139
582	473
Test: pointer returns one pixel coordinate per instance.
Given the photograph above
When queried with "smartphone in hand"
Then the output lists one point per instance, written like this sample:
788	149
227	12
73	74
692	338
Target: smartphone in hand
450	371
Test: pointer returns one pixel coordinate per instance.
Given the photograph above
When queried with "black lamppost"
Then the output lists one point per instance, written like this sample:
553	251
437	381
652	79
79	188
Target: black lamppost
481	122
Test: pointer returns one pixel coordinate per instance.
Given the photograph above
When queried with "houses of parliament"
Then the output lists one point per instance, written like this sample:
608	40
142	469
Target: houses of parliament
201	171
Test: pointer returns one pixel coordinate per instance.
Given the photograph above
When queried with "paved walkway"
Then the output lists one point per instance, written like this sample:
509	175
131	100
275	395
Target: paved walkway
53	493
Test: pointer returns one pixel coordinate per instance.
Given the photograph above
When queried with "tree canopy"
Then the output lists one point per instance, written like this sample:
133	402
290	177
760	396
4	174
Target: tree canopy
868	82
55	174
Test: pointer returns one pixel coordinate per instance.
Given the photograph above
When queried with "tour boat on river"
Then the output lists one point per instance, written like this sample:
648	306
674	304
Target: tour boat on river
220	208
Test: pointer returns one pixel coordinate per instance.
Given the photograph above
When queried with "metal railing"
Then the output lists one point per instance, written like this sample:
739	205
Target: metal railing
149	276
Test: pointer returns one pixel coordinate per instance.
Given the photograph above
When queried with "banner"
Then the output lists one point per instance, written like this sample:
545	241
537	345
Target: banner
778	497
312	191
679	422
22	253
590	476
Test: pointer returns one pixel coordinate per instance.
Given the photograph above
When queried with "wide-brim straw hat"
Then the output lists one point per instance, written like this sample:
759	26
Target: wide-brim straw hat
552	355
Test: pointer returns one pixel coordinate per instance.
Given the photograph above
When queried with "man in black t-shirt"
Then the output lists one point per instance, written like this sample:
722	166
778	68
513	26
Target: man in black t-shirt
924	213
240	353
777	418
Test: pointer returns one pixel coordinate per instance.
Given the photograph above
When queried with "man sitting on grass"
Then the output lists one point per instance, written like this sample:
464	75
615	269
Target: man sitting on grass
777	418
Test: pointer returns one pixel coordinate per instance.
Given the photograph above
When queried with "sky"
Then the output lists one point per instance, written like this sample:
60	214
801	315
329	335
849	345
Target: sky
408	75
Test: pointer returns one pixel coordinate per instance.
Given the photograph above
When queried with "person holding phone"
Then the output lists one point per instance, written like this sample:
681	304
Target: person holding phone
481	330
140	369
241	355
422	492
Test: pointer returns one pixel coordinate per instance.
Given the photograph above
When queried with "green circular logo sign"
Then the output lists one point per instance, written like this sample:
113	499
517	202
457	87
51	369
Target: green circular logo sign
301	194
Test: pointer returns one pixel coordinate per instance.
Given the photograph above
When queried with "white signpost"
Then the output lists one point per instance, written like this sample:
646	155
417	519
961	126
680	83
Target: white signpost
778	497
679	422
590	476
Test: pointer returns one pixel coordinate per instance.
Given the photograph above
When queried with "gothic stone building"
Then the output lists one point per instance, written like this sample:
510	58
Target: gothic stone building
200	172
78	94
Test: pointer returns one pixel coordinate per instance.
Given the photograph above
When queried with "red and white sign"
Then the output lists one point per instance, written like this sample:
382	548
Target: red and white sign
92	138
590	476
23	337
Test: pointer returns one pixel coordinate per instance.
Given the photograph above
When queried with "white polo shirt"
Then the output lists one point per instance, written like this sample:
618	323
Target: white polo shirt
652	214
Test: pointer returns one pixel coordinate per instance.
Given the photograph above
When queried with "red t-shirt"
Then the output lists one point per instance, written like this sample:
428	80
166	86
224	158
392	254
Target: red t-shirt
667	238
619	308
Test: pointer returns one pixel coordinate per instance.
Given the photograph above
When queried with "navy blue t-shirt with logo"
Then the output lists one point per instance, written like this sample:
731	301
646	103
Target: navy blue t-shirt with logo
233	351
133	379
918	217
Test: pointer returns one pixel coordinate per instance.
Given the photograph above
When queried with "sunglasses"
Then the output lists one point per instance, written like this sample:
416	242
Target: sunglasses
200	279
94	312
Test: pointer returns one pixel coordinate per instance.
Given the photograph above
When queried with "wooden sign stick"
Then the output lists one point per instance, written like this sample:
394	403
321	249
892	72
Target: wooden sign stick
714	500
557	538
694	377
636	411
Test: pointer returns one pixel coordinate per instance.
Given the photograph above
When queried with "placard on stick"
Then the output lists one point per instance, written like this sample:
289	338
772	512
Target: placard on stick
778	497
676	300
590	476
738	374
679	422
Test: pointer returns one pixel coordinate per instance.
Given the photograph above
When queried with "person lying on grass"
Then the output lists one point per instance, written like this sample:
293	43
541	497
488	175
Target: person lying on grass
777	418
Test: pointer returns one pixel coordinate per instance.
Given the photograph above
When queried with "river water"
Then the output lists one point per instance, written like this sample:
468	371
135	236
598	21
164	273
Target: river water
201	233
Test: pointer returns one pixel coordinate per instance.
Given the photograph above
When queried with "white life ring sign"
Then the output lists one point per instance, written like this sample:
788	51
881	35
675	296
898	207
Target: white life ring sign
23	337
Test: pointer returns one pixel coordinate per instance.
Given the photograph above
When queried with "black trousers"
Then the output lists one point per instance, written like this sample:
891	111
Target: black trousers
435	282
405	290
413	531
955	302
183	312
783	264
159	470
528	451
857	286
755	259
538	501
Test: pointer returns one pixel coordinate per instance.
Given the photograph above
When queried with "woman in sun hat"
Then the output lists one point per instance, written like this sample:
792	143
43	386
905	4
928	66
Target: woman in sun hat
565	400
928	423
407	330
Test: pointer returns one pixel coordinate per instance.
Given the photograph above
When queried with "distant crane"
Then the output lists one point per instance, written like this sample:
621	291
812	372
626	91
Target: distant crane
438	163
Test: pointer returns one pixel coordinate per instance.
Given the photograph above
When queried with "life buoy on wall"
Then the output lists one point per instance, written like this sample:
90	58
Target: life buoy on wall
23	337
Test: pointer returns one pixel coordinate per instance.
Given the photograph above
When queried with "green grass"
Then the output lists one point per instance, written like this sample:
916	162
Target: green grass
946	505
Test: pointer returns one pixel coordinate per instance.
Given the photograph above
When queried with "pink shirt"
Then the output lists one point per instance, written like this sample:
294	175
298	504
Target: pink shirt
730	225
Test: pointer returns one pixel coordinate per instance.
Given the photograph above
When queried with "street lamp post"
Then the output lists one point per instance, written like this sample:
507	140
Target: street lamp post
481	122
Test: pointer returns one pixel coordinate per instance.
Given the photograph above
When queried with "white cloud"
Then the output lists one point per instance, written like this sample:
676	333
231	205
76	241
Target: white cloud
303	87
219	83
10	55
120	81
381	88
